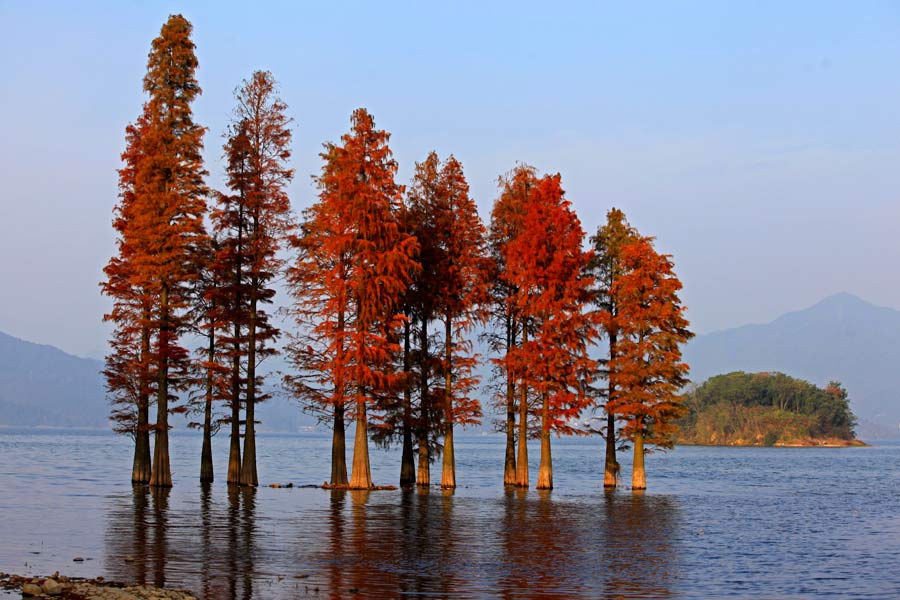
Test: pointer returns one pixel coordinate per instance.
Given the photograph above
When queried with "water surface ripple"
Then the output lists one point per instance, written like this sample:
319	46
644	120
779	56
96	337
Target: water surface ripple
716	522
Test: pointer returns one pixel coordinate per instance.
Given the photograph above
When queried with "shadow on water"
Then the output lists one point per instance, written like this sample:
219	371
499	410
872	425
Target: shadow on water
523	544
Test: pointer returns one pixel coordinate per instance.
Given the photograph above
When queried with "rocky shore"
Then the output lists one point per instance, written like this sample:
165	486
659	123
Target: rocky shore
79	588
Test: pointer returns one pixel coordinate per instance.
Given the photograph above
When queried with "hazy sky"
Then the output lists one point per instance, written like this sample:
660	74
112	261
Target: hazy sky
759	143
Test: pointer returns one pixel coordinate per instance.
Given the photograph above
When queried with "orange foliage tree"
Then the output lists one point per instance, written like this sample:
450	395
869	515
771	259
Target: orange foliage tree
128	370
257	219
507	222
165	219
606	267
354	267
451	288
210	367
647	367
548	268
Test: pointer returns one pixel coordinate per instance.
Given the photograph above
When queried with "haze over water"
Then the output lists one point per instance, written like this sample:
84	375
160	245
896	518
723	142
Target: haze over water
739	522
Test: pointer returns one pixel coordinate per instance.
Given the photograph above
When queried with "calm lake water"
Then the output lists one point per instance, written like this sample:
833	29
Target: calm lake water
716	522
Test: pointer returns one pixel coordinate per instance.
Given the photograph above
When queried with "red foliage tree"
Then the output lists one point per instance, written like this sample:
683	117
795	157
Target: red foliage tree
211	369
165	220
647	367
258	151
354	268
450	287
548	268
461	302
128	371
507	222
229	298
606	267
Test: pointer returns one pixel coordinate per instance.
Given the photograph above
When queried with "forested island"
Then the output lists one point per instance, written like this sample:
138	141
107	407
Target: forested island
767	409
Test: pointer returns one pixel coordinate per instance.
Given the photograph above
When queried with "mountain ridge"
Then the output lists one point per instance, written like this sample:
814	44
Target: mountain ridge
841	337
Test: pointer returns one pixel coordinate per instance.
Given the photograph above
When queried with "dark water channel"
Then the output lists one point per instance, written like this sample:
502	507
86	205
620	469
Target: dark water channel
762	523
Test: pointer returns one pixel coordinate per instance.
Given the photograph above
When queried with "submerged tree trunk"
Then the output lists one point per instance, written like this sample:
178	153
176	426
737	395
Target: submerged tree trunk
448	473
338	448
509	465
140	470
361	476
234	453
407	462
522	459
423	475
248	466
161	474
611	469
638	477
545	471
206	459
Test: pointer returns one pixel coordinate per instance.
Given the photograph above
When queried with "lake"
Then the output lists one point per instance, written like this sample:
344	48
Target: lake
720	522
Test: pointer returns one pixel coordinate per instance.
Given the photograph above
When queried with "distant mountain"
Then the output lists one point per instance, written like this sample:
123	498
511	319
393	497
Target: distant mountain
842	337
43	386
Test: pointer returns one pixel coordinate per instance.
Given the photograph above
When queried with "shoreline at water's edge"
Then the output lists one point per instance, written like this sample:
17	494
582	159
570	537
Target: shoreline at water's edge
81	588
829	443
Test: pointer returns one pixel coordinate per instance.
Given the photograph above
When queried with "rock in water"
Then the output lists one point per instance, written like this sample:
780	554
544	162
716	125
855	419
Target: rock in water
30	589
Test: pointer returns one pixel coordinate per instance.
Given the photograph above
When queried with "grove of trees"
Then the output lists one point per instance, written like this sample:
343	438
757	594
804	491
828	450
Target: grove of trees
389	286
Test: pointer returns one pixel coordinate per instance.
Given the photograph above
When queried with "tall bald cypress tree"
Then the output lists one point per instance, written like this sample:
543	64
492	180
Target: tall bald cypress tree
168	217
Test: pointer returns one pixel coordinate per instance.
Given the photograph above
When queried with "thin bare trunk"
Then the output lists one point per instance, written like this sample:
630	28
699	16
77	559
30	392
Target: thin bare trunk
234	454
206	459
338	448
545	471
638	476
611	469
448	473
361	476
140	471
161	473
407	461
522	459
423	475
248	467
509	466
339	436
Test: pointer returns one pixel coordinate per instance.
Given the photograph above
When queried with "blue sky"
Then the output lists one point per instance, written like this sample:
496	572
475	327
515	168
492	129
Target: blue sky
760	143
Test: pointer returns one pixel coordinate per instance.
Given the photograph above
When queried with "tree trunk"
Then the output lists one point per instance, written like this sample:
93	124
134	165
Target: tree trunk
448	473
361	476
509	466
611	468
407	462
248	467
638	477
234	452
522	459
206	459
423	475
545	470
141	468
161	474
140	471
338	448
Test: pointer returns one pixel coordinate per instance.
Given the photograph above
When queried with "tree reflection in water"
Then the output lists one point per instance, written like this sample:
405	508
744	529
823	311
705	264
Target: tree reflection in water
416	542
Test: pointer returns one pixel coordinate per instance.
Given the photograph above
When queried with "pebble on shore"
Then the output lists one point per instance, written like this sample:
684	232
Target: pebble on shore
76	588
